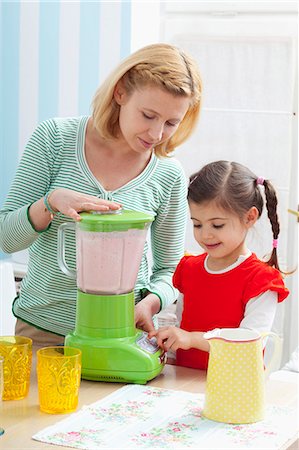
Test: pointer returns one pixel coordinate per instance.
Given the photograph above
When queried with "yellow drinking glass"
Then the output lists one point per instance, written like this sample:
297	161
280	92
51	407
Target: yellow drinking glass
17	353
58	377
1	385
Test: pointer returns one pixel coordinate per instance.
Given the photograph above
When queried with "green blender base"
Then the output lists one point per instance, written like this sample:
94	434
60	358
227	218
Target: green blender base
112	348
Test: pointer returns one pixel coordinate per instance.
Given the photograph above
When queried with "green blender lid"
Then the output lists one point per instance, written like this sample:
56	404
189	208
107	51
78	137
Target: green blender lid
118	220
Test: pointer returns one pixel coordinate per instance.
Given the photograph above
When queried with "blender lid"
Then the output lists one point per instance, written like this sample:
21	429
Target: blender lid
118	220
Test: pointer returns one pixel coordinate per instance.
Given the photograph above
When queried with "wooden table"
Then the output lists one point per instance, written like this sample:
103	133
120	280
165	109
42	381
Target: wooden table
22	418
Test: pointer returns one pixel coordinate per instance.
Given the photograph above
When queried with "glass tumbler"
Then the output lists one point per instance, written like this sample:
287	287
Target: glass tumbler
1	384
17	353
58	378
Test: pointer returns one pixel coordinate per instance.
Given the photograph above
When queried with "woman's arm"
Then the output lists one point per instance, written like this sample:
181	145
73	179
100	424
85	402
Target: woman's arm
24	214
68	202
167	243
168	240
145	310
29	185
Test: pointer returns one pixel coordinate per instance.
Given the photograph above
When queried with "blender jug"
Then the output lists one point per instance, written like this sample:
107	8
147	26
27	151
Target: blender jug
109	250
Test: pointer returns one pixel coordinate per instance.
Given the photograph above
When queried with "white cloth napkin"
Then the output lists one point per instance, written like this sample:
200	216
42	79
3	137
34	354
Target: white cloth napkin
141	417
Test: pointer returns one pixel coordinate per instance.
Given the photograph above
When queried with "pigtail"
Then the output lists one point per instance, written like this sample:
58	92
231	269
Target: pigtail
271	205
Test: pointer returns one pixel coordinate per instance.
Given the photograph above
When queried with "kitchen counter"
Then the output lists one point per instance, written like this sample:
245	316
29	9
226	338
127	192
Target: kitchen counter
22	418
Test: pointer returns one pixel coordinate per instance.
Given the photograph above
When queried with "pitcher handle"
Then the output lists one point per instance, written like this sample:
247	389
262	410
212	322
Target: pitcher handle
276	354
61	250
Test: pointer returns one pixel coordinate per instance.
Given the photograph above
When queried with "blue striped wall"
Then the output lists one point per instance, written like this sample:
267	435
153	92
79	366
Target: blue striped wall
9	87
48	59
53	56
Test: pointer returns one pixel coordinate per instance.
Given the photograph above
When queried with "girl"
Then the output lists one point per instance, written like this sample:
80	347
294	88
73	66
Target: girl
117	156
227	286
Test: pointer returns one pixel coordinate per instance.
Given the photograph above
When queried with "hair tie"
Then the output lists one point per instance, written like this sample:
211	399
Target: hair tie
193	179
275	243
260	180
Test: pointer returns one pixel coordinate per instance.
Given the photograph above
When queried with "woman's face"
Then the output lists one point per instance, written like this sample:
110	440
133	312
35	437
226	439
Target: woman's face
149	116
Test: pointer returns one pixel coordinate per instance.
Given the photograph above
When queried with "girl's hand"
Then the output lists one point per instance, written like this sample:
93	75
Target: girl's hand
172	338
71	203
145	310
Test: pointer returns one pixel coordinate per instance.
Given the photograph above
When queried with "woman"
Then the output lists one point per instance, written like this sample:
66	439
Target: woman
146	108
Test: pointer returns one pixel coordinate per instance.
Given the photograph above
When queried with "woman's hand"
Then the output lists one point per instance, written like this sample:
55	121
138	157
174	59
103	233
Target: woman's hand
71	203
145	310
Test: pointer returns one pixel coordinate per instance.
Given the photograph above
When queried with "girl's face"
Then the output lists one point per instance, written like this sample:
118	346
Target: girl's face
221	233
149	116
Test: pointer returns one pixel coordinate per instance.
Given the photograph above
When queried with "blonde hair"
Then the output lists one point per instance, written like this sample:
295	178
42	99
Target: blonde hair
161	65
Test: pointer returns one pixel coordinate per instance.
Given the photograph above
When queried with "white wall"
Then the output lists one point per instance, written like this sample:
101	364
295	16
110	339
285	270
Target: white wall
145	25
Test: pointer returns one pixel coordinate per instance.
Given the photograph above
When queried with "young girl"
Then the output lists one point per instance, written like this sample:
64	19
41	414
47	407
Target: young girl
227	286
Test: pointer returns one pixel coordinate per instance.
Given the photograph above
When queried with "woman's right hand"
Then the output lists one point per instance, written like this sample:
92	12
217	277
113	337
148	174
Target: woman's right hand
70	203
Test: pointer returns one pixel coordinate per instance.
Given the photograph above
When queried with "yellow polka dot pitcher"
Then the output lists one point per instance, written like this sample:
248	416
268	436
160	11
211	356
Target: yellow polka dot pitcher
235	389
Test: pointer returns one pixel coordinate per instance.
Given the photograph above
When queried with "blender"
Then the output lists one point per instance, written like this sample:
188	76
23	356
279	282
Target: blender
109	249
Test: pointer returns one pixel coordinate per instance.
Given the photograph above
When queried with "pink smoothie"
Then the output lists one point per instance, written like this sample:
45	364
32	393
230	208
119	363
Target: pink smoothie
108	262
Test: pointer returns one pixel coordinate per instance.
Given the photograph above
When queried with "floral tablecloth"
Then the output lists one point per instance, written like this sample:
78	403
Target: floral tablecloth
141	417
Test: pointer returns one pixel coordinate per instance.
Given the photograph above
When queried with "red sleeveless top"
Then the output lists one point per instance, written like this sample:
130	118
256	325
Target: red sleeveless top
219	300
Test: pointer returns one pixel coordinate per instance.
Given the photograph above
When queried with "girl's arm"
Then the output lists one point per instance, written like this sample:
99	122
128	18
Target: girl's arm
173	338
259	315
260	312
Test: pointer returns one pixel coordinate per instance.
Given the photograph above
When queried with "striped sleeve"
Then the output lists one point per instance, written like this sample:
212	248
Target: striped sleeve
168	236
30	184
